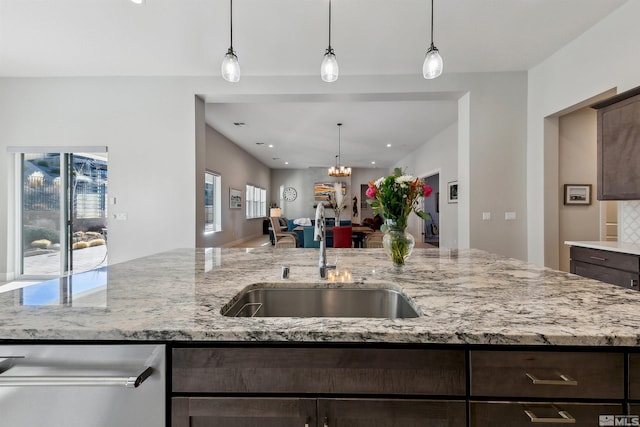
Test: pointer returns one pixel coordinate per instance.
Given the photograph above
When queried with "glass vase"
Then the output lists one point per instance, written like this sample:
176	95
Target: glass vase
398	244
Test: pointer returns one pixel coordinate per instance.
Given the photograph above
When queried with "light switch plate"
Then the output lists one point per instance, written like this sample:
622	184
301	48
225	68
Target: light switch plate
486	216
122	216
509	216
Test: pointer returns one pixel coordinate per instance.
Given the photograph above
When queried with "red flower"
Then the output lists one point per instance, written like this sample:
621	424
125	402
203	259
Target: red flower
371	192
427	190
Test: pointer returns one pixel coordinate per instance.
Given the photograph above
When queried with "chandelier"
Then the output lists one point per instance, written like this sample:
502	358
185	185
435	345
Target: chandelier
338	170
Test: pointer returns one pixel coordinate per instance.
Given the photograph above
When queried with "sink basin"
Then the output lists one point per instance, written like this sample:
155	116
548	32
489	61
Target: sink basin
320	302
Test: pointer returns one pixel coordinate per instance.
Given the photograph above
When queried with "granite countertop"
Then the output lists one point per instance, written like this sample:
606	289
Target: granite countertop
626	248
465	297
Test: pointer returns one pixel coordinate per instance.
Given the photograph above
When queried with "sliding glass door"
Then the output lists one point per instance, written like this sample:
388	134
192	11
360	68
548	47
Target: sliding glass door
63	213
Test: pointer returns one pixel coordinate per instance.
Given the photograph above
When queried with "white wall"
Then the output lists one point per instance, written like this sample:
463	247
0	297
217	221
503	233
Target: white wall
438	154
149	125
604	57
237	168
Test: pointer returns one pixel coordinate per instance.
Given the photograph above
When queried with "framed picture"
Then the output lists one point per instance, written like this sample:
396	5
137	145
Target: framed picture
235	199
452	192
323	190
577	194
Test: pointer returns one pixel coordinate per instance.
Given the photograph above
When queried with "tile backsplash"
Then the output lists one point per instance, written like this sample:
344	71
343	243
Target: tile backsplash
629	221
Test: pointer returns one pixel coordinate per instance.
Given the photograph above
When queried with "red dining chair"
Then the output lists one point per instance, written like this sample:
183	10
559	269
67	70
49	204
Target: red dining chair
342	236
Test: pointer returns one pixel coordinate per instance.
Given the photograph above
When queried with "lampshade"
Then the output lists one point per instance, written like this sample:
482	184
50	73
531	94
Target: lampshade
433	64
275	212
231	67
329	67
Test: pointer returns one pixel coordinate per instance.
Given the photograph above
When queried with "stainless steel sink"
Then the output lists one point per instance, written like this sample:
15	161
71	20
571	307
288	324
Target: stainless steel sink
320	302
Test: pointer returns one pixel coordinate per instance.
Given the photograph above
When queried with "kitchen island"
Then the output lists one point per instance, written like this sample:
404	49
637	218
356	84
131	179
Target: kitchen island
497	341
463	296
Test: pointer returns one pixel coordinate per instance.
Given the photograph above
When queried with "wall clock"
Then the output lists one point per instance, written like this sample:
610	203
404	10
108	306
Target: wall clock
289	194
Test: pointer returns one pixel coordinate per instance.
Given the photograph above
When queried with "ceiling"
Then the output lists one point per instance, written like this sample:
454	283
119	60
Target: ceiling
286	38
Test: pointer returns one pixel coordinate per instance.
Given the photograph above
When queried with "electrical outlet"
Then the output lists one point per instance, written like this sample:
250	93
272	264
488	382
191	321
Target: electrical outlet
509	216
486	216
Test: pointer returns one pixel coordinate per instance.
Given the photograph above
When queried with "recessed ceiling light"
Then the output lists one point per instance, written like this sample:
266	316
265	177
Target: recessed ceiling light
239	124
286	163
373	163
388	145
270	145
137	1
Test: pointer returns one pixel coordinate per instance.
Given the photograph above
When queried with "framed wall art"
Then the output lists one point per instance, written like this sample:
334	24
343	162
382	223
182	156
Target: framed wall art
452	192
235	199
577	194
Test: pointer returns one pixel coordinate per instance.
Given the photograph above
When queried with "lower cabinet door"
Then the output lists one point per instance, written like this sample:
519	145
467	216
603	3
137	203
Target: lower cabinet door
515	414
242	412
390	413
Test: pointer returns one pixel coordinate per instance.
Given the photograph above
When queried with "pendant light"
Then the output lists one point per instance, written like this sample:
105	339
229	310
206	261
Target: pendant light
230	64
338	170
329	67
433	65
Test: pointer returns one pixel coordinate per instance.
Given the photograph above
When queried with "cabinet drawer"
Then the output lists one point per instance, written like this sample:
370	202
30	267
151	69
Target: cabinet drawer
547	374
616	260
318	370
516	414
391	413
242	412
634	376
605	274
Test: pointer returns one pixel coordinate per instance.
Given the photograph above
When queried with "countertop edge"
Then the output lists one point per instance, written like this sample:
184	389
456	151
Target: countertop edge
626	248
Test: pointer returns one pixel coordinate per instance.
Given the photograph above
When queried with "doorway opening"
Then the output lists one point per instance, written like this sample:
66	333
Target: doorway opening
431	205
63	213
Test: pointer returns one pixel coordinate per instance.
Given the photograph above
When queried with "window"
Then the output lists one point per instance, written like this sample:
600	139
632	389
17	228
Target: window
256	202
212	201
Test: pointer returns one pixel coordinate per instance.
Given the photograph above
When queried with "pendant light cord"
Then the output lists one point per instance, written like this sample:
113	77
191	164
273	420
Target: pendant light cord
329	24
431	23
231	22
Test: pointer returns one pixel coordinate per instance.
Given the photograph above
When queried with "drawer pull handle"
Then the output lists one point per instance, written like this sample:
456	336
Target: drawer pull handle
565	418
308	422
326	422
564	380
597	258
634	284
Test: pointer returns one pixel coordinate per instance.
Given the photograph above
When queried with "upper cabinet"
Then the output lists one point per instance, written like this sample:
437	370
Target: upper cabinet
619	146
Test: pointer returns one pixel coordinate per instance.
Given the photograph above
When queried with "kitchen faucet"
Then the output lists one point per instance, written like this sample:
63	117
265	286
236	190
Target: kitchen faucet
320	235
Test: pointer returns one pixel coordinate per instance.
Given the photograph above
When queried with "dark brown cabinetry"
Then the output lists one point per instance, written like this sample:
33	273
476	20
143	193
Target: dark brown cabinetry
607	266
367	386
634	377
507	386
245	375
619	146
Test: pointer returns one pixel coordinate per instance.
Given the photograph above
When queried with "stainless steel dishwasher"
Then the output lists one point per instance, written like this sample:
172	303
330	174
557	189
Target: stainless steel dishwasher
82	385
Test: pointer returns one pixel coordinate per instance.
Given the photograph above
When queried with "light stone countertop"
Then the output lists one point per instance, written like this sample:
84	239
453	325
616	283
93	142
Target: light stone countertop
465	297
626	248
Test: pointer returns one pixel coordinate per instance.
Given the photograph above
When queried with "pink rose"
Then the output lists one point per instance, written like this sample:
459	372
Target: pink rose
427	190
371	192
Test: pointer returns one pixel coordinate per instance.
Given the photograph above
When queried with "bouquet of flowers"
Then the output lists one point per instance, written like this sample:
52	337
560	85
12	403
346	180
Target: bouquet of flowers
396	196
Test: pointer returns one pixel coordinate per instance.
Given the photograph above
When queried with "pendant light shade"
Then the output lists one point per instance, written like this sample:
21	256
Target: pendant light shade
329	67
230	66
433	64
